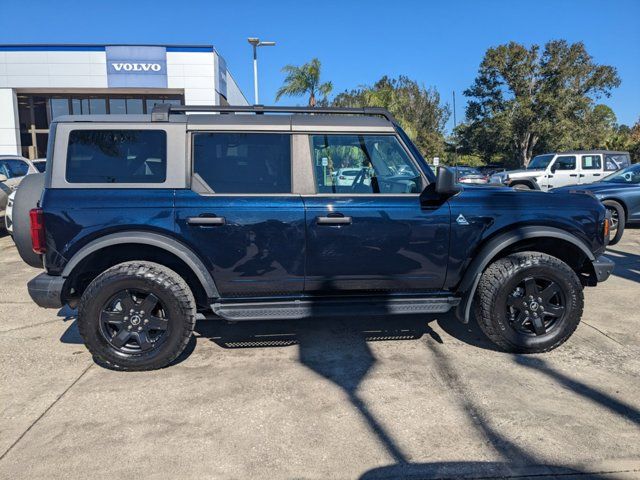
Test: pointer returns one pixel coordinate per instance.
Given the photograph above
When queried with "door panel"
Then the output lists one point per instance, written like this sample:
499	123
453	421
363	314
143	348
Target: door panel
591	170
254	244
566	172
376	242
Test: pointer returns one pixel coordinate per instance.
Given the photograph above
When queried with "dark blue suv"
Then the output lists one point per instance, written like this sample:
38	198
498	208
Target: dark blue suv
257	213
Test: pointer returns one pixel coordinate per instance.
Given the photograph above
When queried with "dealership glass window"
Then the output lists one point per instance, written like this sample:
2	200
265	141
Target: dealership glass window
97	106
134	106
117	156
591	162
117	106
363	164
59	107
243	162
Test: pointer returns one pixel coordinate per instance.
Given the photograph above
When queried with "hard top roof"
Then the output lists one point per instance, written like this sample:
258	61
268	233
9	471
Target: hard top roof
255	118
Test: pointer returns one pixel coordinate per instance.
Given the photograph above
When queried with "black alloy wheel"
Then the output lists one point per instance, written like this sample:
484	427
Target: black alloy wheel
134	321
535	306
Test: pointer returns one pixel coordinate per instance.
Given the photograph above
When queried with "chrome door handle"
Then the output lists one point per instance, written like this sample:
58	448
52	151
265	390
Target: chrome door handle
333	220
212	221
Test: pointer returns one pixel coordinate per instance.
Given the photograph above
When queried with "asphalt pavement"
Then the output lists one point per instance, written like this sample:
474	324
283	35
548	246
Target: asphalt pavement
421	398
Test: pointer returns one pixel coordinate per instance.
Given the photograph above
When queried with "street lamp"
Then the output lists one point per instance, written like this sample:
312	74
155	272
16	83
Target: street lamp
257	43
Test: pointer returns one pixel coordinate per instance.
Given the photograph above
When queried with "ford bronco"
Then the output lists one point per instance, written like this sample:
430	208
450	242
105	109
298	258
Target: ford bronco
146	223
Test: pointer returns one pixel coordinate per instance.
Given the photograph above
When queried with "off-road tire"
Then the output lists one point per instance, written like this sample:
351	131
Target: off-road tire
495	285
613	205
150	277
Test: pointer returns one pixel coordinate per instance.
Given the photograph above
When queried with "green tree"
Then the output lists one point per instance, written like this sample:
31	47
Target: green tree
304	80
416	108
525	99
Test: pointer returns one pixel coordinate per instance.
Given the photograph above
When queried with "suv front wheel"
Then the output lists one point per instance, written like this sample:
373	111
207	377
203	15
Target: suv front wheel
529	302
136	316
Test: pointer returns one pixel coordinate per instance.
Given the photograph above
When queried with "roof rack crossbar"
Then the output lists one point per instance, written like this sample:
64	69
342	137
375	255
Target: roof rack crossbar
161	112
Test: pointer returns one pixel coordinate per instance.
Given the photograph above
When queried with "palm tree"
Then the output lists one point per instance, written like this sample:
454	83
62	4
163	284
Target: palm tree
304	80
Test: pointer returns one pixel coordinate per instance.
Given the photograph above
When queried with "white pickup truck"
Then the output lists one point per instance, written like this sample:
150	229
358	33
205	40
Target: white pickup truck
553	170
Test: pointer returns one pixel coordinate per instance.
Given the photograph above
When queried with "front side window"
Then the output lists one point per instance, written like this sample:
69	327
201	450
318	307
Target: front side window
363	164
565	163
591	162
243	162
117	156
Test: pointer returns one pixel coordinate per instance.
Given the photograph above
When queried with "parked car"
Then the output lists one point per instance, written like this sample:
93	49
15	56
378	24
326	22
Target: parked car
553	170
344	177
470	175
145	223
13	168
491	169
620	193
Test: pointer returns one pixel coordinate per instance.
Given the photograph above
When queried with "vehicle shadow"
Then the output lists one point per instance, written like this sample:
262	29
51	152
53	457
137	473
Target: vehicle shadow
627	264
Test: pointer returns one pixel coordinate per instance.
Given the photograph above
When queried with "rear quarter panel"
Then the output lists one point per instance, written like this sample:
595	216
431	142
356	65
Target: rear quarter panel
75	217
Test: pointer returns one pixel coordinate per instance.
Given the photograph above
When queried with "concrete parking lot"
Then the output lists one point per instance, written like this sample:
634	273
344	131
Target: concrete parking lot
346	398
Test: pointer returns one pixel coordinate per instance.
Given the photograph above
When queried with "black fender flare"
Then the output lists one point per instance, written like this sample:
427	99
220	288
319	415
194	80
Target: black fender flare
171	245
531	181
469	283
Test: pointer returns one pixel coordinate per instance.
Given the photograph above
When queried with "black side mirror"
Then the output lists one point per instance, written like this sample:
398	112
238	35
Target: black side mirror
446	182
554	167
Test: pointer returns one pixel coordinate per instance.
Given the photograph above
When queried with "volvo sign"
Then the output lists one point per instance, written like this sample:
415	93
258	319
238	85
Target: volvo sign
129	66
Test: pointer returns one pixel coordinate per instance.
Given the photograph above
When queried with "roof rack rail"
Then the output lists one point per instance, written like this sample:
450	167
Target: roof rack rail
162	111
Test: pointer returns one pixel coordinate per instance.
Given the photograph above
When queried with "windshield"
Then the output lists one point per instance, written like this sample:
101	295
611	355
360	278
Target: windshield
628	175
540	162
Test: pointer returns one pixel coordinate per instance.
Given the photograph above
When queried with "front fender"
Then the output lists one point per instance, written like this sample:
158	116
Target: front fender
491	249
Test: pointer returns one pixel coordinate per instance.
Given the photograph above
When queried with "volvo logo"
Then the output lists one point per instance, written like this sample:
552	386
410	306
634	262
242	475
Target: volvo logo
136	67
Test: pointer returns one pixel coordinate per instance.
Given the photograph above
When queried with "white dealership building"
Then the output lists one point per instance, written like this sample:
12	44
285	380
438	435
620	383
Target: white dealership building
41	82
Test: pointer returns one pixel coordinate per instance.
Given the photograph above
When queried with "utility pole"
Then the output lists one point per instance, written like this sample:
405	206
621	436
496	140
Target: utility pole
255	42
455	135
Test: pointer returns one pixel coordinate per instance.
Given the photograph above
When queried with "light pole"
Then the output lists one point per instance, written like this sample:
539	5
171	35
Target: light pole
255	42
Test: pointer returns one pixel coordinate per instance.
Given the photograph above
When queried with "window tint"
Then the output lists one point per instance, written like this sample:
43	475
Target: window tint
117	156
382	165
40	166
565	163
616	161
591	162
243	162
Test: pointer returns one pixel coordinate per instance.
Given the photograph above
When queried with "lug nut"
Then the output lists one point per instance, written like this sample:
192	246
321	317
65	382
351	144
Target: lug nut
126	318
129	327
139	329
146	320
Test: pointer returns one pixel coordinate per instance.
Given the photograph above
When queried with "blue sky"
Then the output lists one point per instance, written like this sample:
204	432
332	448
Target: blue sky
438	43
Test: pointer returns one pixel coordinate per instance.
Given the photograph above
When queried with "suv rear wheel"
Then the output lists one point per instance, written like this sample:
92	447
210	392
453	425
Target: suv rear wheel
136	316
529	302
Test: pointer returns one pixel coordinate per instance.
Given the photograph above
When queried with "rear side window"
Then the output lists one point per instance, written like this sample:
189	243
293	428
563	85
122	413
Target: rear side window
616	161
591	162
243	162
117	156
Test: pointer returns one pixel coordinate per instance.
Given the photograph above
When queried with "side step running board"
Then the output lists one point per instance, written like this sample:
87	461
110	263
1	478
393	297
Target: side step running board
299	309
